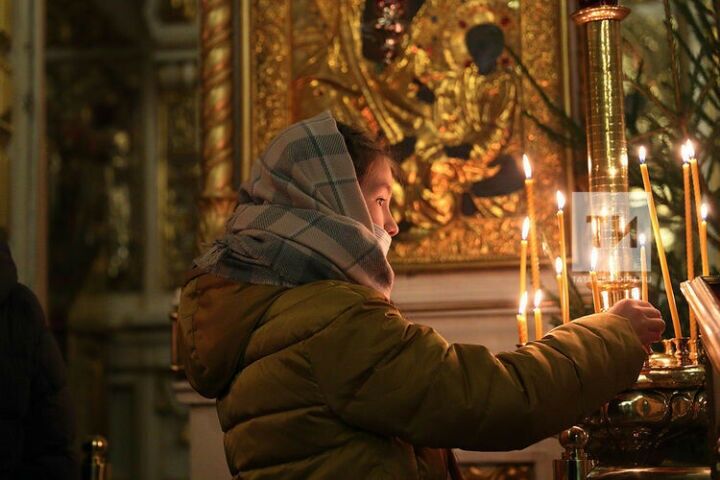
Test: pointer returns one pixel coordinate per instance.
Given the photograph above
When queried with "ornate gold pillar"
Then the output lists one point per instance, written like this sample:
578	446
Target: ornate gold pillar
5	113
606	144
218	197
604	111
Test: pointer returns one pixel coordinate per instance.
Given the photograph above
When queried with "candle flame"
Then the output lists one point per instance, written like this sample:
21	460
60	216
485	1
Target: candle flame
527	167
593	259
635	293
690	149
684	153
538	298
704	211
523	303
642	153
560	200
525	228
558	265
642	239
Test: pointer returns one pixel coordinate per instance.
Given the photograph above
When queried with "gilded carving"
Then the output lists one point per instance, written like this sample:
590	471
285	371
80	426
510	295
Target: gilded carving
218	197
448	101
271	58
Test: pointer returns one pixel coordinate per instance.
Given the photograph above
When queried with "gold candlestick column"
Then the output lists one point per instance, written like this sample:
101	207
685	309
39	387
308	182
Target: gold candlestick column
605	125
607	150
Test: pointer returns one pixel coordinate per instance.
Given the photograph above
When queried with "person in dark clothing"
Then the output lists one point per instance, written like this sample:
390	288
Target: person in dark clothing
36	421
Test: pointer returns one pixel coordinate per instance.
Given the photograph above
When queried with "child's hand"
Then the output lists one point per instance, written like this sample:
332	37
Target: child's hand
644	318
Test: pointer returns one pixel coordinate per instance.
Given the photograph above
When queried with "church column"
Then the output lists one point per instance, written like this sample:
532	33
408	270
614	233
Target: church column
218	145
221	115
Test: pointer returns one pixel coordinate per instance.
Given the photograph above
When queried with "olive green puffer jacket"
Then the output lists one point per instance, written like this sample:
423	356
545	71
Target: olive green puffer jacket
329	381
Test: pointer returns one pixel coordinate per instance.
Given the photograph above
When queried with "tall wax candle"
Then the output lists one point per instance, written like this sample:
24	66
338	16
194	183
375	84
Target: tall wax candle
530	192
559	279
703	239
689	150
643	268
597	305
538	315
563	255
523	255
689	250
522	320
659	244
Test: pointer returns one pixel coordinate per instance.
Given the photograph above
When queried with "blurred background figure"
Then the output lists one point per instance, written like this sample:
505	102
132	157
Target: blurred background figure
36	420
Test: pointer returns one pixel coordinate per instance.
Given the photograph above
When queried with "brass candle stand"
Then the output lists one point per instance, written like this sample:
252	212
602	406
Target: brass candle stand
657	429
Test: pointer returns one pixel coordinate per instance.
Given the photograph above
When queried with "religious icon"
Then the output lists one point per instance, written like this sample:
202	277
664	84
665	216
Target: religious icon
434	80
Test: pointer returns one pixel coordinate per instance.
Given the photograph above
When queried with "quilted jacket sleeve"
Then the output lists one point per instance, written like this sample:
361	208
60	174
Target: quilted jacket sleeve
382	373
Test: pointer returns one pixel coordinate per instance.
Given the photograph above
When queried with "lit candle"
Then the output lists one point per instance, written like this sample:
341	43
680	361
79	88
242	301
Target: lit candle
522	320
659	244
703	239
538	315
530	192
689	250
643	269
593	280
689	150
688	213
559	278
523	255
565	294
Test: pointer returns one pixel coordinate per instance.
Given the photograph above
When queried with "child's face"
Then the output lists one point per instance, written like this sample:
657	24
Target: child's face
376	186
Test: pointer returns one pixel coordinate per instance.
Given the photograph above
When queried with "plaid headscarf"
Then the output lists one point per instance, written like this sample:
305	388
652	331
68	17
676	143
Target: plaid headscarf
301	217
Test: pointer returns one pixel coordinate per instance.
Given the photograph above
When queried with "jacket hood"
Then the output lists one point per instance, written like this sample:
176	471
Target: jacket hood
217	318
8	271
